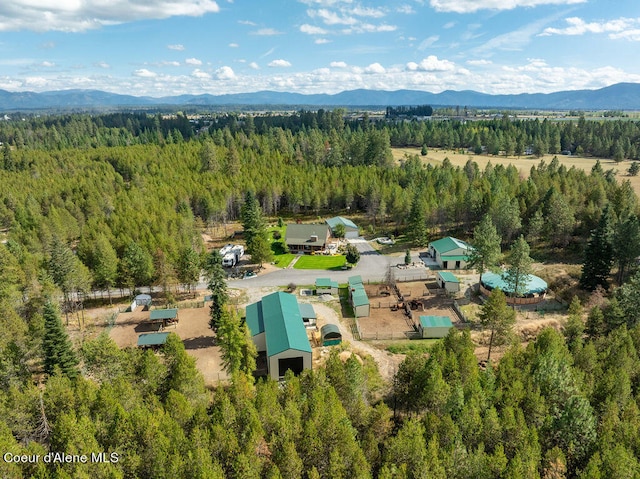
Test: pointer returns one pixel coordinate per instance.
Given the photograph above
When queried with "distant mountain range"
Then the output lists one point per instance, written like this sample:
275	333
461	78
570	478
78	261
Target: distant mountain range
621	96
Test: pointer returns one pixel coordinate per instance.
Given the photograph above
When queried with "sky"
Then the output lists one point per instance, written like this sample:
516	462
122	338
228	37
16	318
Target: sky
172	47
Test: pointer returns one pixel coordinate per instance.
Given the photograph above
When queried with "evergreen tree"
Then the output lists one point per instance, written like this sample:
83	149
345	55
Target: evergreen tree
626	245
598	255
188	268
236	347
417	221
353	255
496	316
486	247
407	257
255	230
56	345
104	265
217	286
519	267
136	266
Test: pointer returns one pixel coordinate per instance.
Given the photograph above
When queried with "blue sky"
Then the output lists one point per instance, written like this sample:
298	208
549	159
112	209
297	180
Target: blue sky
171	47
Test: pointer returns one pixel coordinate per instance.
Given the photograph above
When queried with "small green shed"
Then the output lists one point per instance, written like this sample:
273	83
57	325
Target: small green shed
326	286
152	340
434	326
330	335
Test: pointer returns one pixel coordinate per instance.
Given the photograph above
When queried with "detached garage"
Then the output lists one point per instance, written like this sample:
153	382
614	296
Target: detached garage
277	329
434	326
351	230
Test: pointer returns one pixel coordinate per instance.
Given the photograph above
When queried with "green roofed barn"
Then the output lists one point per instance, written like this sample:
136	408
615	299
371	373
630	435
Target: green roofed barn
358	297
434	326
450	253
277	329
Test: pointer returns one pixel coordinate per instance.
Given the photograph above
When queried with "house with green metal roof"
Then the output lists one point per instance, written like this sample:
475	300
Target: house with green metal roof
350	228
434	326
450	253
278	331
326	286
448	281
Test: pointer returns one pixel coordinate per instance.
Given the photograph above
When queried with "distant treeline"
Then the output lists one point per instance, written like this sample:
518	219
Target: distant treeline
422	110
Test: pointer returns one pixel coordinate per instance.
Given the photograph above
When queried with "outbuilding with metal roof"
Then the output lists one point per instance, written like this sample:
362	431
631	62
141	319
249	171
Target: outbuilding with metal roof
434	326
277	329
450	253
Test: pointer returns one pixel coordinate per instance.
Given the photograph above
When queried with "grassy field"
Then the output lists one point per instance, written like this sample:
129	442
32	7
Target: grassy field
523	164
320	262
283	260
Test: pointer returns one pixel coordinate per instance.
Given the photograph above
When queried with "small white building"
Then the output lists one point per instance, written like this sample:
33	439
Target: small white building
448	281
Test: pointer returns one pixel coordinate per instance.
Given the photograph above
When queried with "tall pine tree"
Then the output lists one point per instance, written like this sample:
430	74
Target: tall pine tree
57	348
598	255
486	246
218	287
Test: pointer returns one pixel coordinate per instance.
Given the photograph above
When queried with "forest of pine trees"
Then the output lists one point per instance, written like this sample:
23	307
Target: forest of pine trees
97	202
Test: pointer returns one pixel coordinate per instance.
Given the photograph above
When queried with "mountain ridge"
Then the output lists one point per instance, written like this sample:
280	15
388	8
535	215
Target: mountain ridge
620	96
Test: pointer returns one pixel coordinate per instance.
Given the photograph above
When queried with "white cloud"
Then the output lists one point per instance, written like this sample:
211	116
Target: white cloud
338	65
247	22
233	45
619	28
449	25
279	63
197	73
169	63
254	66
78	16
47	64
321	41
479	63
312	30
144	73
104	65
632	35
375	68
225	73
427	42
406	9
431	64
331	18
470	6
176	47
266	32
193	61
367	12
48	45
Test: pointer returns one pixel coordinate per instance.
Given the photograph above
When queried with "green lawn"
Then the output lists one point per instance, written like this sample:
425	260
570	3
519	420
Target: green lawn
320	262
283	260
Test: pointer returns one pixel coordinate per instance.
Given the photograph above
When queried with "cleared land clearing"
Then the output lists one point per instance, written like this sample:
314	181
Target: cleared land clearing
193	328
522	163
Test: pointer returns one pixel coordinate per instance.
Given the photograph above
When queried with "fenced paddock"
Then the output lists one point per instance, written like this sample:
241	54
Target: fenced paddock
388	319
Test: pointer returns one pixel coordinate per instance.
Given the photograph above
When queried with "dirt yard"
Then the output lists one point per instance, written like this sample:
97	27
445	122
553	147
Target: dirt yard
193	329
385	323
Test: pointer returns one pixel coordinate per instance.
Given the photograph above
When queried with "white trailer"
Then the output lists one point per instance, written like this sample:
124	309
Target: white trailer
233	255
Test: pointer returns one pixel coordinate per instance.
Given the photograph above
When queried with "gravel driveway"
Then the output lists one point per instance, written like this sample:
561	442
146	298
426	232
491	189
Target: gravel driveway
372	267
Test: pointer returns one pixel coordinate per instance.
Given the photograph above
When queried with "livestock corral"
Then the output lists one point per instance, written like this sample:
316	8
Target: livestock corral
394	313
